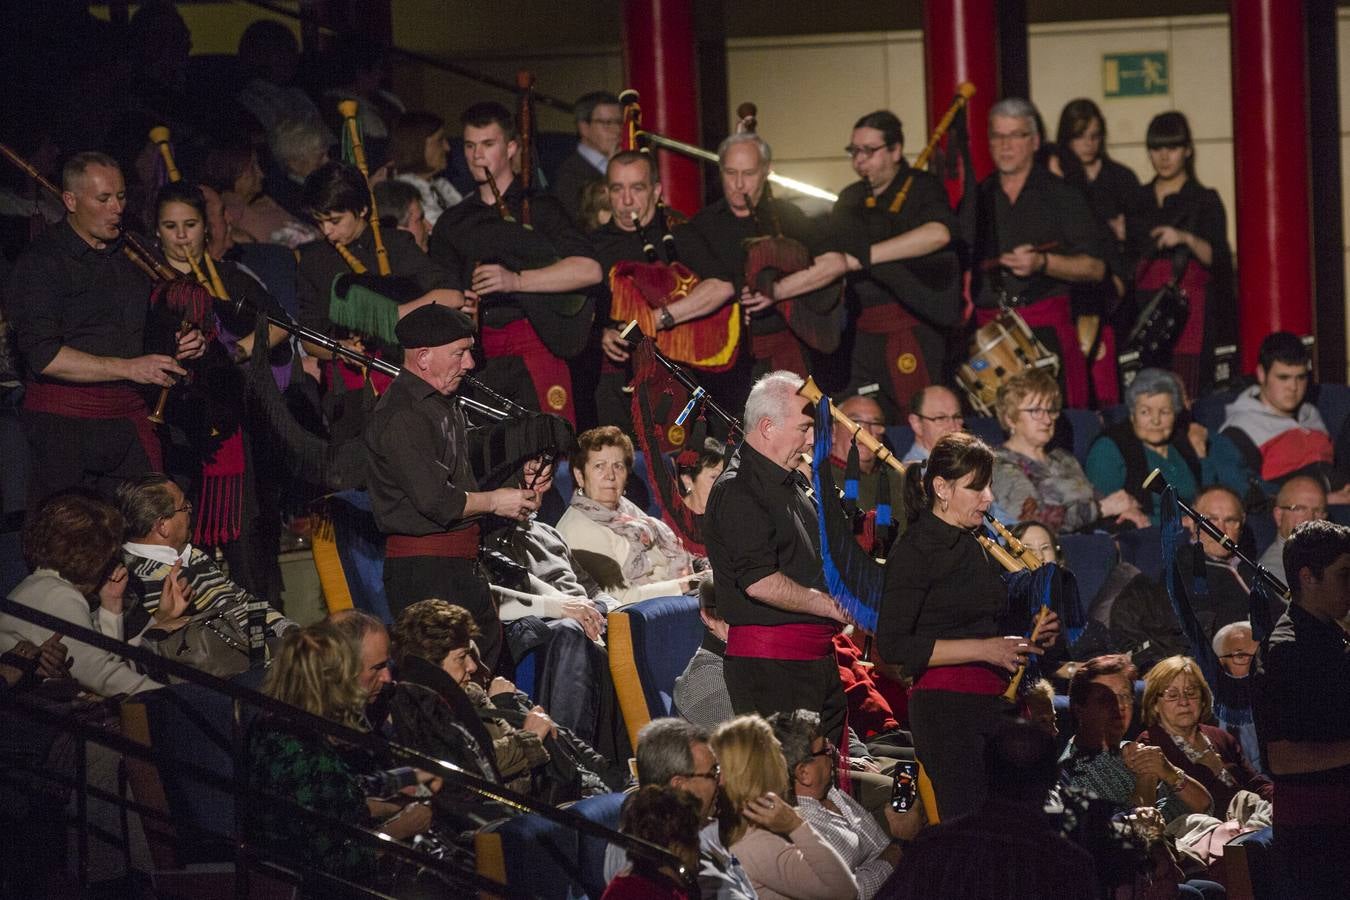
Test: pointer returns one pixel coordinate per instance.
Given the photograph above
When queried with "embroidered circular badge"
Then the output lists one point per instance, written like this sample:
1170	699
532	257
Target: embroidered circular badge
556	397
675	434
906	363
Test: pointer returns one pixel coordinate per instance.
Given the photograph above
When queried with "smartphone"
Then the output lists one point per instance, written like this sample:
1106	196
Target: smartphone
904	786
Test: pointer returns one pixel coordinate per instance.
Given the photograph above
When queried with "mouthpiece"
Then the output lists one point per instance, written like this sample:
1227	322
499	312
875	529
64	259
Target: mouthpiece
627	97
1155	482
159	134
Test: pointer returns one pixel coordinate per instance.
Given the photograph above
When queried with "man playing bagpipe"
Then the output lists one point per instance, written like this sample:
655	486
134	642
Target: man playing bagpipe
523	261
338	291
671	286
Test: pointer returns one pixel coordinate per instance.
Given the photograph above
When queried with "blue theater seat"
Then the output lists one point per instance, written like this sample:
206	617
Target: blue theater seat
650	643
532	855
1090	557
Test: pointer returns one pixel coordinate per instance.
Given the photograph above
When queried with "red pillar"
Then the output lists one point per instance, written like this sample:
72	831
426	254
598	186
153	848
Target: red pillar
1270	149
659	63
960	43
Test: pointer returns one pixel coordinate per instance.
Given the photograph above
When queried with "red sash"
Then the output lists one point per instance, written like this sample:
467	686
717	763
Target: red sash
90	401
461	544
798	641
968	679
1311	804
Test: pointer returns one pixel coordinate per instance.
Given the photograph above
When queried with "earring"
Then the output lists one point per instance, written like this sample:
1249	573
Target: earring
942	502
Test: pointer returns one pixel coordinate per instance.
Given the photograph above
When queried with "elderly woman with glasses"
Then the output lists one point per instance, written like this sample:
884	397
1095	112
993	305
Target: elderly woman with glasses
1159	435
1177	701
1033	483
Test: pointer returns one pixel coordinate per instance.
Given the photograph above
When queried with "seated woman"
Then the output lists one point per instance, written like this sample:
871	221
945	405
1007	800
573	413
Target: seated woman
1177	702
73	543
782	854
840	821
420	152
1098	759
630	554
1034	483
233	171
669	818
1158	435
318	670
698	468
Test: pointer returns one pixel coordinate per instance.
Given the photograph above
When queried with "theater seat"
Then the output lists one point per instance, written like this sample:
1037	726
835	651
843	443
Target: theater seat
900	438
1333	402
1090	557
1250	868
349	556
1142	548
533	856
602	810
987	429
650	643
1086	424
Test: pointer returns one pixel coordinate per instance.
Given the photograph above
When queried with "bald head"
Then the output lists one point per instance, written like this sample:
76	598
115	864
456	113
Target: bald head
1301	499
866	414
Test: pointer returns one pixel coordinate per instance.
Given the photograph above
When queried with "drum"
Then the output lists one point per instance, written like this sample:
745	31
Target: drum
1000	349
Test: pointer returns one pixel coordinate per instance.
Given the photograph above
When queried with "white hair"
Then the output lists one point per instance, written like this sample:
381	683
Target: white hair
744	137
771	398
295	139
1227	631
1014	108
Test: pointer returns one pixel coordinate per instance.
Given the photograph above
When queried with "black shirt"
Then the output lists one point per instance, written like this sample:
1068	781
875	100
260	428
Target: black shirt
64	293
614	245
760	520
1194	208
928	286
419	467
1047	211
726	234
940	585
1302	689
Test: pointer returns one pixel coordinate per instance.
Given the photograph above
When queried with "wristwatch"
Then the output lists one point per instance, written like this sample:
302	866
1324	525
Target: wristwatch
666	320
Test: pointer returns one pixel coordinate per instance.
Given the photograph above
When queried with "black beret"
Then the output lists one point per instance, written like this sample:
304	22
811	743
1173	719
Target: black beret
432	326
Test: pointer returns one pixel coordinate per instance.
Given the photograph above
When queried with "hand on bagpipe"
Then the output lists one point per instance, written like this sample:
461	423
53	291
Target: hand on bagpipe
190	307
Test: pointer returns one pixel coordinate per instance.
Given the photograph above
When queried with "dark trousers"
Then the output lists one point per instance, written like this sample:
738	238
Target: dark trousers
950	732
67	452
767	686
408	579
1313	859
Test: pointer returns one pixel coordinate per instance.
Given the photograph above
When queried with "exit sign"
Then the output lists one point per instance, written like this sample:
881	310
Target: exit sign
1134	74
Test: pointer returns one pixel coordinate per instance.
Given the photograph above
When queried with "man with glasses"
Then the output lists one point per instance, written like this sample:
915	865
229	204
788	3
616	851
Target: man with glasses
1227	597
600	126
933	412
865	489
907	281
1301	499
1035	237
674	753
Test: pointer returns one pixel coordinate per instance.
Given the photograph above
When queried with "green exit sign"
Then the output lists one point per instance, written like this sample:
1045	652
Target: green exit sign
1134	74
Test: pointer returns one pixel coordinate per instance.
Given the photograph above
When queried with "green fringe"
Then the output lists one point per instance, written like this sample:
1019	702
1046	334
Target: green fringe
364	310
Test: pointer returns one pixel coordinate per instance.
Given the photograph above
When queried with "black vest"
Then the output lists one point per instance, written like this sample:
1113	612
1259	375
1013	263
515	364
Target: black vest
1136	466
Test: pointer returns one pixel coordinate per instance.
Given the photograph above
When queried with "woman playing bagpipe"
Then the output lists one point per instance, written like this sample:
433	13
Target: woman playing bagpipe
339	293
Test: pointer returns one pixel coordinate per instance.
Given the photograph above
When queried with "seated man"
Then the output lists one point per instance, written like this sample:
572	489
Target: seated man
933	412
1236	649
874	527
1277	432
401	207
1301	499
673	753
1227	598
871	853
158	524
557	606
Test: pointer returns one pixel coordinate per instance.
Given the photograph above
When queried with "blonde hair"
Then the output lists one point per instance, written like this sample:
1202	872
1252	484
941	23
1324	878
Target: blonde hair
318	670
752	765
1031	383
1162	675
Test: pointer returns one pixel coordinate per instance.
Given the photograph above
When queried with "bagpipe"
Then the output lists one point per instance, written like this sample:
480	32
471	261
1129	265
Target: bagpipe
817	318
639	290
856	579
660	386
1165	281
562	321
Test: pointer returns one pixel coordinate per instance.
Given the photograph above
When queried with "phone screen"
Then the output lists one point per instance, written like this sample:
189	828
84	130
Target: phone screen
904	786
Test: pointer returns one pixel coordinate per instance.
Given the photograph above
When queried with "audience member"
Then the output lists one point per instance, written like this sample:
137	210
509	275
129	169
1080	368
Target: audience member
1278	432
420	153
781	852
1098	759
1226	597
1300	499
675	754
933	412
865	413
233	171
630	554
358	69
1176	706
1040	704
300	148
1158	436
1236	650
269	58
701	689
1302	706
841	822
1033	482
670	819
699	468
1008	848
400	207
599	120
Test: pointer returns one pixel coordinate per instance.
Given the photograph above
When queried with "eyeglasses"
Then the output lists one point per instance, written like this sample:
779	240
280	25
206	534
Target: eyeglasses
829	750
1041	412
1241	656
186	507
610	122
854	151
1317	511
714	773
1229	520
1124	699
868	423
943	420
1190	694
1000	137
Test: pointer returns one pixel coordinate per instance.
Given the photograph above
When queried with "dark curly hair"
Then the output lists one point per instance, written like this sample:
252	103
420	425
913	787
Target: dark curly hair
430	629
77	534
661	815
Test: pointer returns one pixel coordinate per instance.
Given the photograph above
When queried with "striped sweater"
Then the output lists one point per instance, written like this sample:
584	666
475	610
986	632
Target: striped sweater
211	588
